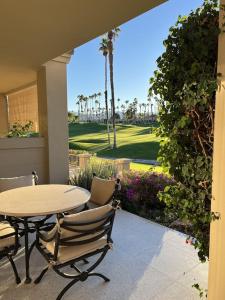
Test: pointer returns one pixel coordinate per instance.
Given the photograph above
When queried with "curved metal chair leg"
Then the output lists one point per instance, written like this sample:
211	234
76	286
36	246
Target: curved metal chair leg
17	278
38	279
66	288
85	261
73	266
100	275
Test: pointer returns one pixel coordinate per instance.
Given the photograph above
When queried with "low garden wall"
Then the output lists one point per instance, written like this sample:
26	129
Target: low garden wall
21	156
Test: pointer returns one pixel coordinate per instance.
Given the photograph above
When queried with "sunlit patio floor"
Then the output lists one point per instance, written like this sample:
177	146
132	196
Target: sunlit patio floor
148	262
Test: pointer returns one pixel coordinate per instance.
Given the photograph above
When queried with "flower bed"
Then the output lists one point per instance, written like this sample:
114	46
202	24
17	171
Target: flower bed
139	195
139	189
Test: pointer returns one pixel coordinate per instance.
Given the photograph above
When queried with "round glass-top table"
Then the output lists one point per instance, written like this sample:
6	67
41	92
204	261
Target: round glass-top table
40	200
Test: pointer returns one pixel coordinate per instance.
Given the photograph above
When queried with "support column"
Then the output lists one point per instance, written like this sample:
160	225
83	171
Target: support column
84	160
216	285
53	120
4	125
122	165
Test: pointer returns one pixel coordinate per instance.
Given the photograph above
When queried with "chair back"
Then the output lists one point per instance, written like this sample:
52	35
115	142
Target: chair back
85	227
16	182
102	190
8	238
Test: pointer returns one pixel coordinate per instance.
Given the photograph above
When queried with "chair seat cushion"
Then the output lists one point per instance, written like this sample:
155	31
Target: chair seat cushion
66	254
6	228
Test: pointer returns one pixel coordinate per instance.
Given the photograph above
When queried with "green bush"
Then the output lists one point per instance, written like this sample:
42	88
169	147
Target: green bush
102	169
19	130
185	84
76	152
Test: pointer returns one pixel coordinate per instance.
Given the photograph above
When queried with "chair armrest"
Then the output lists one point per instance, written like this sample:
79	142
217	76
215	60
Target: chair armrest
116	204
46	227
89	222
15	233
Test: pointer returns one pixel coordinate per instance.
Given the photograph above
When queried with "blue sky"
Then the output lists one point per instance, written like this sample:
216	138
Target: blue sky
139	44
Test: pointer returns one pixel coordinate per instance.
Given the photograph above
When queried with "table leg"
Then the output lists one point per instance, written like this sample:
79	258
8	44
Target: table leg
27	264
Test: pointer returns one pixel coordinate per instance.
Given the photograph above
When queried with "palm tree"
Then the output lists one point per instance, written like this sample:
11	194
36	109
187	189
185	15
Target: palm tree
110	108
92	105
135	101
78	108
99	111
112	34
148	108
85	99
99	94
81	99
104	49
135	104
140	105
144	106
127	102
99	104
123	110
152	109
96	109
149	104
118	100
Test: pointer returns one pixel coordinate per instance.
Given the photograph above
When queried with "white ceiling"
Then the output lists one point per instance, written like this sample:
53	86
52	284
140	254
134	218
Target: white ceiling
35	31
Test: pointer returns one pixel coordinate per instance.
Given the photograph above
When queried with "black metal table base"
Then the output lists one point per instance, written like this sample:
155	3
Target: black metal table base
27	252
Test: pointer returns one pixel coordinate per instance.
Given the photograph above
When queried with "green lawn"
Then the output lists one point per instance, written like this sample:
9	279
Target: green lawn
133	141
145	167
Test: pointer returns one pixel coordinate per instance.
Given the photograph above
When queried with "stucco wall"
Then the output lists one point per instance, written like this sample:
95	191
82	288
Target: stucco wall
23	107
21	156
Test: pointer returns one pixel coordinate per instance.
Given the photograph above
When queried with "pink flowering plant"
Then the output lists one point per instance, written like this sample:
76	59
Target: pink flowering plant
139	191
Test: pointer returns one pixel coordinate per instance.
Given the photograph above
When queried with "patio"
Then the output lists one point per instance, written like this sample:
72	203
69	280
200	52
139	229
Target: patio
148	261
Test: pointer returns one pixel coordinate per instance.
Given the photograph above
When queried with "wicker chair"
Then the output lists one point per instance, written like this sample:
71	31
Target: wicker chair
9	244
75	238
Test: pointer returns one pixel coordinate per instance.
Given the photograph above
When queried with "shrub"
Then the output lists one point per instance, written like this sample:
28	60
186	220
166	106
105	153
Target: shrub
139	191
19	130
76	152
103	169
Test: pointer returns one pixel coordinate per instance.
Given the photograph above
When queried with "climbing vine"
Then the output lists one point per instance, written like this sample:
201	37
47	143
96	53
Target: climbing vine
185	84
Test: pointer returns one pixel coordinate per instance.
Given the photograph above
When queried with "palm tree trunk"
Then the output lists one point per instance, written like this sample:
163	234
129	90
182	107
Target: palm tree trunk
106	101
113	97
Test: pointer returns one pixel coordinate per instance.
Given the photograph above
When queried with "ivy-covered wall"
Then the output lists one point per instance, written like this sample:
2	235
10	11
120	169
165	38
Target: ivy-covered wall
185	83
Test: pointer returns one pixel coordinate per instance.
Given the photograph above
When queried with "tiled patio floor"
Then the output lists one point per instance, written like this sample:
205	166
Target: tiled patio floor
148	262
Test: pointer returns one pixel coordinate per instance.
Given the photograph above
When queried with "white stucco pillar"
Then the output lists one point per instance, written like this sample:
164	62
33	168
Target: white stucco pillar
122	165
53	121
84	160
216	286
